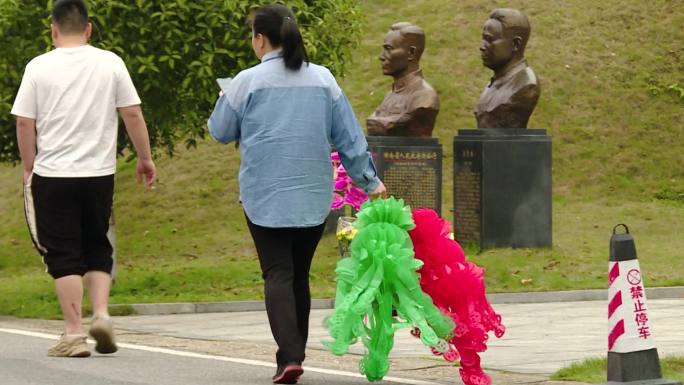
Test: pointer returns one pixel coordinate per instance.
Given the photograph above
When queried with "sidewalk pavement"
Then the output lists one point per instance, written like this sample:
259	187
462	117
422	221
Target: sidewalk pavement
540	338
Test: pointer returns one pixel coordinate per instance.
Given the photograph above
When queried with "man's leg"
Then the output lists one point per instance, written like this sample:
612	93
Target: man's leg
70	294
97	251
101	327
73	342
53	216
98	284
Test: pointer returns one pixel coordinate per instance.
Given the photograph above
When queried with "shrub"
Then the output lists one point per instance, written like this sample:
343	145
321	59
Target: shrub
174	50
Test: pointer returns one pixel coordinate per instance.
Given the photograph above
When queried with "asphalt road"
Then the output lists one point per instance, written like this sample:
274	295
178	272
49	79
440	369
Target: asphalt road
23	361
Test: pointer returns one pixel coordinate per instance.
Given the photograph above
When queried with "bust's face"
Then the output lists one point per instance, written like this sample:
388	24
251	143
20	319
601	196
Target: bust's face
496	49
394	56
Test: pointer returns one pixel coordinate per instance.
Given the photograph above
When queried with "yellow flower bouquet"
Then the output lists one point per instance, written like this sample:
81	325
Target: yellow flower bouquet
345	233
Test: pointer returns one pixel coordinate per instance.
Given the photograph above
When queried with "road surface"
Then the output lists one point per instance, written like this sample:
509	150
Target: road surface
23	361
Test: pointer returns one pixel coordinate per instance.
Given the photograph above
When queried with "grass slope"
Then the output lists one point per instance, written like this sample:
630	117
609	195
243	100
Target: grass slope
598	63
617	146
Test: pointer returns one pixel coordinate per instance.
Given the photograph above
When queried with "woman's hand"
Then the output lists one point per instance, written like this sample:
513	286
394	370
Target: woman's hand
379	192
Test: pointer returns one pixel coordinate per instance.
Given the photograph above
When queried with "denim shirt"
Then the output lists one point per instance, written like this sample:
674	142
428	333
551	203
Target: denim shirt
286	122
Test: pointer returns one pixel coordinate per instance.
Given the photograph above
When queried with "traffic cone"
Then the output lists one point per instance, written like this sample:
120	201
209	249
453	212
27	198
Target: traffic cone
632	354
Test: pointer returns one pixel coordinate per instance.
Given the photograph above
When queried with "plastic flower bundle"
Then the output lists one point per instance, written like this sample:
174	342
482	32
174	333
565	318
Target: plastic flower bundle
345	192
379	280
457	287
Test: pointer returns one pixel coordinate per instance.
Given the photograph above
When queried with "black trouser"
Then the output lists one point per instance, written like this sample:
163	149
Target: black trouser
68	219
285	256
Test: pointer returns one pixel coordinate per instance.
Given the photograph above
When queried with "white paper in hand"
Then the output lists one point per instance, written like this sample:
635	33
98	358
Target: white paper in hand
224	84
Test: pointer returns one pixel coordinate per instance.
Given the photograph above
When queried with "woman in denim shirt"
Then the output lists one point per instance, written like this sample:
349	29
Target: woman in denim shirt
286	113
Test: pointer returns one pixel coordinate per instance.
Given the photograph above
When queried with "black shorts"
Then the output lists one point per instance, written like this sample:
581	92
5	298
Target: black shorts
68	219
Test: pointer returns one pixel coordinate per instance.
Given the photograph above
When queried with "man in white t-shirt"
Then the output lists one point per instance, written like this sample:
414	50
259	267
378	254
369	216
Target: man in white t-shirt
67	125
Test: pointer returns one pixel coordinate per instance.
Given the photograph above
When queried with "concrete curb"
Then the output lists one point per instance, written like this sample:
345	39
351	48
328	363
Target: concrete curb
205	307
676	292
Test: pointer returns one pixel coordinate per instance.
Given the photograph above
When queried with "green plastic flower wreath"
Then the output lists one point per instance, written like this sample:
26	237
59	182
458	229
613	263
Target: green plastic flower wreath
377	280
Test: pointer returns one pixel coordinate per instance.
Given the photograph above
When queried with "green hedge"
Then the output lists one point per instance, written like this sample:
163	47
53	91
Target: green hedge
174	51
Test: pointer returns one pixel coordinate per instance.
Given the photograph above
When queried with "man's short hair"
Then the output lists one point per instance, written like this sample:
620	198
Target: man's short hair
513	23
412	35
70	16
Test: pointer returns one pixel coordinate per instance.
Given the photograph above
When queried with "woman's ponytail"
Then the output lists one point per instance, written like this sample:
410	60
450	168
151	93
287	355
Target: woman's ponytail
294	53
278	24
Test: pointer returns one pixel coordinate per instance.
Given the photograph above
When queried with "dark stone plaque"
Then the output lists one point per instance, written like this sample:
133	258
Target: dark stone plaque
411	169
502	187
468	187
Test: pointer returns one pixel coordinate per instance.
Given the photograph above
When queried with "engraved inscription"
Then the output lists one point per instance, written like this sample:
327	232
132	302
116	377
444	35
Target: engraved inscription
412	176
467	198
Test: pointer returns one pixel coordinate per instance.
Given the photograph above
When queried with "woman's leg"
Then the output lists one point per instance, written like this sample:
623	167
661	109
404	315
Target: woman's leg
303	249
274	247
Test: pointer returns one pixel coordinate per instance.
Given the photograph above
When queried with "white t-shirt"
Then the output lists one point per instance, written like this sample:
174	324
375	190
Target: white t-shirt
73	94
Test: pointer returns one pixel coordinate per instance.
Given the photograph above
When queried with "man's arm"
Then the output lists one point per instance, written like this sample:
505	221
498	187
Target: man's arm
137	132
26	138
25	108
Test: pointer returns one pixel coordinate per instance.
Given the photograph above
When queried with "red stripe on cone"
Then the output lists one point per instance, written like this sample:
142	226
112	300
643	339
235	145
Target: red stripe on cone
615	303
617	331
614	274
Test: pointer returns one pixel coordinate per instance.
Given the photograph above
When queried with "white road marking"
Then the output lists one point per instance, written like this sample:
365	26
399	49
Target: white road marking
221	358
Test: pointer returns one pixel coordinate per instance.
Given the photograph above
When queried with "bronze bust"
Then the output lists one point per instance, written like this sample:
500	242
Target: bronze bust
513	92
411	107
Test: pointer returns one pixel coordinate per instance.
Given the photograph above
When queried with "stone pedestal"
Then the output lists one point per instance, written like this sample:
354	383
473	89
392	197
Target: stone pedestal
502	187
411	169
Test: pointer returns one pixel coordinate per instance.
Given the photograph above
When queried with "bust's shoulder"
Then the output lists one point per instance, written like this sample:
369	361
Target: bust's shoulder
425	96
525	77
427	88
525	85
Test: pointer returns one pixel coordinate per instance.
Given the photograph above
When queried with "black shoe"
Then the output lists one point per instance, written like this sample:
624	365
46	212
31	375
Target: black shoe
288	373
